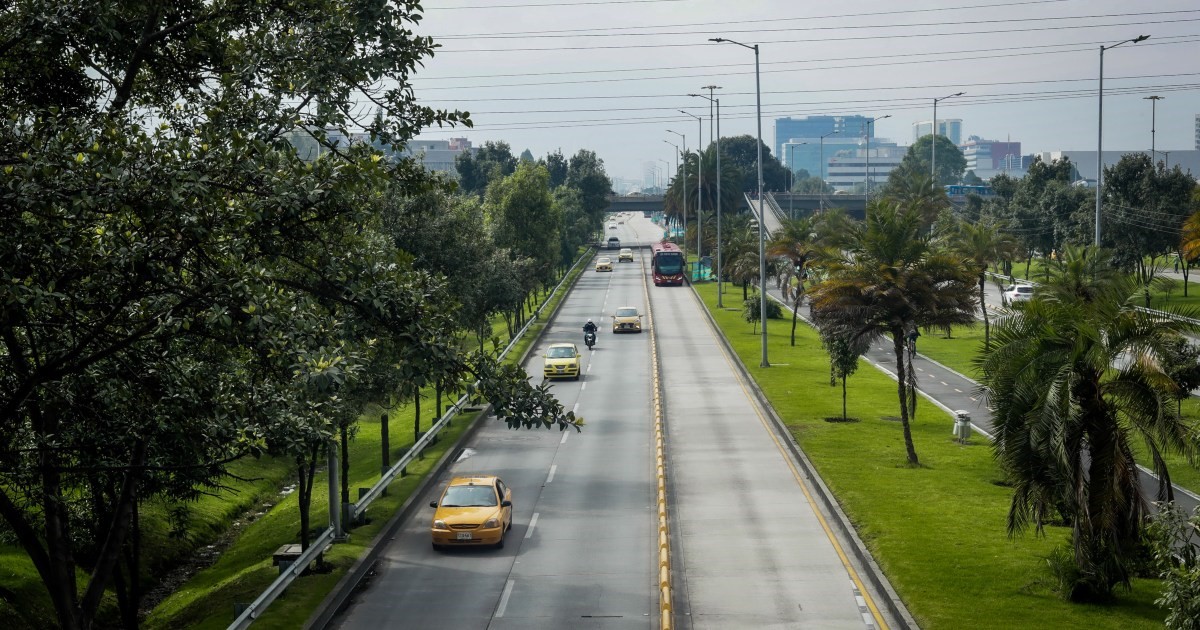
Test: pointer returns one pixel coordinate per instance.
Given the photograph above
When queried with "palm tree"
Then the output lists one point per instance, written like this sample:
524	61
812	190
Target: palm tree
981	244
1075	378
1189	241
795	242
887	281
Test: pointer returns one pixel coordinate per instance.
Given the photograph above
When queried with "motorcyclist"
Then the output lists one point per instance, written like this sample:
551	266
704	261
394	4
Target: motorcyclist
589	327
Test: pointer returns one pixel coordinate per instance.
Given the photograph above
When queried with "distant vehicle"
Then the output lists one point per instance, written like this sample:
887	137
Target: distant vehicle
472	511
612	226
604	263
667	263
561	361
627	319
626	255
1017	293
614	242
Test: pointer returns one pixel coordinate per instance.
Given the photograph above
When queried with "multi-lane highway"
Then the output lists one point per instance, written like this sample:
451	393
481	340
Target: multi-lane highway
751	549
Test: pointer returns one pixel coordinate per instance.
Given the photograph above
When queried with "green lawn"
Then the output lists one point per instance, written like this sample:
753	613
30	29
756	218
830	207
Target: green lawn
937	530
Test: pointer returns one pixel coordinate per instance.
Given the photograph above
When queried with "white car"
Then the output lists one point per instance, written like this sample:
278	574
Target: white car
1018	293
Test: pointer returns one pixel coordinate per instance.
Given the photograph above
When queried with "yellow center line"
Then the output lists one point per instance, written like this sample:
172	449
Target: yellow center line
879	620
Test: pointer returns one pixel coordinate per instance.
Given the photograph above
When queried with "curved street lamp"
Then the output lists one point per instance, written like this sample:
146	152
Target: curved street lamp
1100	130
699	183
717	139
933	139
762	224
685	190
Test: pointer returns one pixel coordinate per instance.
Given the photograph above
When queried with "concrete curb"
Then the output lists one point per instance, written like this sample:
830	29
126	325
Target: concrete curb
879	581
343	591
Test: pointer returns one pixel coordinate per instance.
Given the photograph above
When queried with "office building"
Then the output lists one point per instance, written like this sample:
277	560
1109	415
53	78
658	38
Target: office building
1085	161
811	128
949	127
849	167
988	158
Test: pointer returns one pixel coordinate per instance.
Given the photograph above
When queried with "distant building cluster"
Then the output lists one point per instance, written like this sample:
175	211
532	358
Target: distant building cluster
436	155
843	151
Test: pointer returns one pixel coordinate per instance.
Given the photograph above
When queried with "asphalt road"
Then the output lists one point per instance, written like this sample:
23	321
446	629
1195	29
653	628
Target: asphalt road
582	550
754	550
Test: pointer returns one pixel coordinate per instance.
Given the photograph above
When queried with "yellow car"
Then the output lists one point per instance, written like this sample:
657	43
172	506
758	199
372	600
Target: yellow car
626	255
604	263
627	319
473	511
561	361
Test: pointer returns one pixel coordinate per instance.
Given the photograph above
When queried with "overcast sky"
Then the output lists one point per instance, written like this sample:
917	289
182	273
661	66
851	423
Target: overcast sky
610	76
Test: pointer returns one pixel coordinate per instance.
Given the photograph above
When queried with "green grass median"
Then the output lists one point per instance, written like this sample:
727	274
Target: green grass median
938	530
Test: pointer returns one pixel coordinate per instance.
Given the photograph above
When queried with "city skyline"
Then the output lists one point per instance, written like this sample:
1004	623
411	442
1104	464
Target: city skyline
612	77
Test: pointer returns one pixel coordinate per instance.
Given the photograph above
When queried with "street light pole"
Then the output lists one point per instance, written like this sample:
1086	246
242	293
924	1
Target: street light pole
934	137
823	167
699	183
717	141
867	174
1100	130
762	224
685	189
1153	105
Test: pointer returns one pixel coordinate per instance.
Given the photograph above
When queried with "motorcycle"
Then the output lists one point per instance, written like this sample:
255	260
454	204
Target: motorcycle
589	339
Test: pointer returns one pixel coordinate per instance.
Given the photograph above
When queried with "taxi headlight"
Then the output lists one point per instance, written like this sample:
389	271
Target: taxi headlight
440	525
492	523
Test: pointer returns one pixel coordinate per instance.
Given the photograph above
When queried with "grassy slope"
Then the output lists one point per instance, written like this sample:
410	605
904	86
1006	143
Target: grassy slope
937	530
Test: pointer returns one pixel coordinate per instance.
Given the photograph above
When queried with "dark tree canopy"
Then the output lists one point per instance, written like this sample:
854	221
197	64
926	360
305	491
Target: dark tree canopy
950	160
740	152
494	160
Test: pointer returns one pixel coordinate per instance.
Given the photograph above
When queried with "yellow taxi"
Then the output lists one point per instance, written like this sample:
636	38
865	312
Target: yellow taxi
561	361
604	263
626	255
472	511
627	319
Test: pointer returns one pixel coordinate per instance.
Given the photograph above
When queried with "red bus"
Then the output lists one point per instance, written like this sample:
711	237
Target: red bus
667	263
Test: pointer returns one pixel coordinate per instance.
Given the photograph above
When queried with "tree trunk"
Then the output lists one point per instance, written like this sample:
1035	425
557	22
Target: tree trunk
416	416
385	447
344	465
987	331
844	417
306	471
901	389
796	309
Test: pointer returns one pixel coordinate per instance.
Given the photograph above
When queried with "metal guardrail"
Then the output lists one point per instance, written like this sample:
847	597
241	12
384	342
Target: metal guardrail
326	539
289	575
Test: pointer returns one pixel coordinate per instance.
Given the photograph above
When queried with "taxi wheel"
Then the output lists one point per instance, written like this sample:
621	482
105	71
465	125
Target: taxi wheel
437	547
500	545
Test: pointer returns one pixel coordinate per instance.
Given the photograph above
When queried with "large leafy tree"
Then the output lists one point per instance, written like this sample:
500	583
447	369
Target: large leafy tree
1075	379
522	217
740	153
178	288
949	158
585	173
1144	205
478	169
887	281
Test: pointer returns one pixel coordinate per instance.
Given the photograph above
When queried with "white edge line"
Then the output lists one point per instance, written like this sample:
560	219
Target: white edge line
553	469
508	587
532	524
564	437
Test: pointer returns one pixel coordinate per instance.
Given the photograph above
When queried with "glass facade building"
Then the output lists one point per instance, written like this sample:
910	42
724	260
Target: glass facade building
811	128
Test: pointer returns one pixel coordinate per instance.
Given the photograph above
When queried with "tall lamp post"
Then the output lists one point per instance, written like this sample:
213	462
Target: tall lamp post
762	224
933	138
662	180
867	173
791	172
717	139
823	166
1153	105
699	183
685	188
1100	130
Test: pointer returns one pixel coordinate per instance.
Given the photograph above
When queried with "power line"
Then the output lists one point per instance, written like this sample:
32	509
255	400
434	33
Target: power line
839	38
940	10
905	59
553	5
583	33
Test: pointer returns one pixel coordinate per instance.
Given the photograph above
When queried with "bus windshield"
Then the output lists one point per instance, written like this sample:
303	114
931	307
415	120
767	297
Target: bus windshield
669	263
